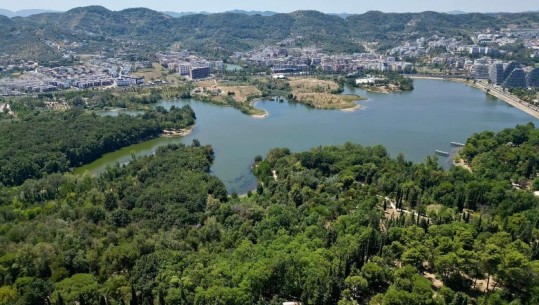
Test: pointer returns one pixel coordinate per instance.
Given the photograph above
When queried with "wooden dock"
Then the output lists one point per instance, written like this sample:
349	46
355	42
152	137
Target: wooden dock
442	153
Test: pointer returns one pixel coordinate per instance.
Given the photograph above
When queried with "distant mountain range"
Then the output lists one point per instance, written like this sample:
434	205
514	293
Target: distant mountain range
248	13
30	12
456	12
181	14
218	35
23	13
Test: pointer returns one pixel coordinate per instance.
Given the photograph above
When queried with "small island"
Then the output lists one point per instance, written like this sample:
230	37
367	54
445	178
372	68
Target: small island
322	94
236	95
314	92
385	82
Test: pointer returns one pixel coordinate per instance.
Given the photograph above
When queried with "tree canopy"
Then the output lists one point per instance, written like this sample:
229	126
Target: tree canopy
335	225
53	142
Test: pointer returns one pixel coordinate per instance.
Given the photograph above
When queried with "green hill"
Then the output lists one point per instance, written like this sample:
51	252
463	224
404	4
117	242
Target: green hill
220	34
323	227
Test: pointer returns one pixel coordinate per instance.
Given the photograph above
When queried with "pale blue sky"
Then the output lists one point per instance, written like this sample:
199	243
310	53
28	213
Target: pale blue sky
330	6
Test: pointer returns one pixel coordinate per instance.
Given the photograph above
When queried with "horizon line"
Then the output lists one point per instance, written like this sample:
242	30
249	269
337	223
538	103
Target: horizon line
457	12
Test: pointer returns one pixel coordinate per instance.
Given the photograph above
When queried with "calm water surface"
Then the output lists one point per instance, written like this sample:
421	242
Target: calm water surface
233	67
415	123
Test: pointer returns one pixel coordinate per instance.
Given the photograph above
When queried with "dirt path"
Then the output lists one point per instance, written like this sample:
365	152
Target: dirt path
393	212
434	280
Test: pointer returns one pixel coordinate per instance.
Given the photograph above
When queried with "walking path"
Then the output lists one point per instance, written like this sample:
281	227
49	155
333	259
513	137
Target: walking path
504	96
395	211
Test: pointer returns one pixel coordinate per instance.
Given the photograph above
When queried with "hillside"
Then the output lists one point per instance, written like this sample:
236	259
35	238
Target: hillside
220	34
333	225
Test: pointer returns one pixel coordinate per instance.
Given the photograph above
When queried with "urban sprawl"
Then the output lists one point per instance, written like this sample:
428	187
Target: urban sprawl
479	60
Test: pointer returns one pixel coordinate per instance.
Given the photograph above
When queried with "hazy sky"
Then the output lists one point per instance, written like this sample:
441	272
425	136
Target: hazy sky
330	6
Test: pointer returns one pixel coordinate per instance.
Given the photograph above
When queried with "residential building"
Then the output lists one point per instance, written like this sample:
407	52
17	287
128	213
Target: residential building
496	73
517	79
532	79
123	82
200	72
184	68
480	71
509	67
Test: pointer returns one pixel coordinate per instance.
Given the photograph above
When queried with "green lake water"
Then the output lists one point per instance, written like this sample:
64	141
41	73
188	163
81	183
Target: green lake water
233	67
415	123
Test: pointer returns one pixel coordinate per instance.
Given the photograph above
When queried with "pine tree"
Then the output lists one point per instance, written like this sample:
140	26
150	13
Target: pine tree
60	300
480	222
133	300
161	298
102	301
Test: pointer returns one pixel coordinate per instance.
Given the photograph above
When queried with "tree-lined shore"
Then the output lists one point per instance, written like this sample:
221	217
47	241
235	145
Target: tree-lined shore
320	228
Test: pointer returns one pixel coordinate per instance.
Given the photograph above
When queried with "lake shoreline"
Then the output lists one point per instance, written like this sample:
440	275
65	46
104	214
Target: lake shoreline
266	114
173	133
414	124
352	109
502	95
493	91
258	116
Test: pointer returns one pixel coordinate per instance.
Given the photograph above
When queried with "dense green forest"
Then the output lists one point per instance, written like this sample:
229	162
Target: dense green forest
218	35
320	228
55	142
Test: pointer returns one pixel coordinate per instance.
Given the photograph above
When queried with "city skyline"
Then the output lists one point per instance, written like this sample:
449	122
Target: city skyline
336	6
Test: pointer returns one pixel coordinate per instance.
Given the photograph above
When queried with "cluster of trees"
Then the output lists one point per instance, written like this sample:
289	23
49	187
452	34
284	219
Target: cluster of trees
528	95
91	99
510	155
394	78
319	229
519	52
273	87
132	97
55	142
404	83
111	227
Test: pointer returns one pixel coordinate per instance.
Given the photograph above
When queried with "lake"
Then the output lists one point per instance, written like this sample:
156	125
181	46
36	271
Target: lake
415	123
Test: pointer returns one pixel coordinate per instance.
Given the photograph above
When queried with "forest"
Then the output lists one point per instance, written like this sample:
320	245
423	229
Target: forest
52	142
340	225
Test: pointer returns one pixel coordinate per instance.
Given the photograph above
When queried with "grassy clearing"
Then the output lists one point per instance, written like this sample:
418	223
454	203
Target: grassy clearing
382	89
242	94
327	100
310	85
434	208
157	72
237	96
239	93
321	94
